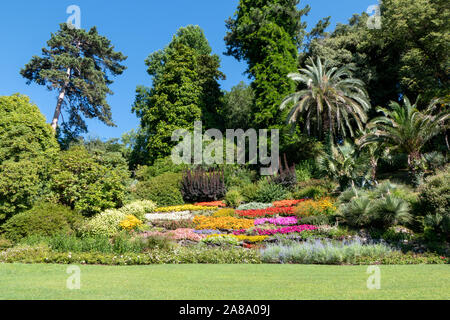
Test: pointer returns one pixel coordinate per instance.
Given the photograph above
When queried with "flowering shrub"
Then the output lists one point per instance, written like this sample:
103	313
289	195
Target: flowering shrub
105	223
254	205
287	203
265	212
185	207
315	207
281	221
139	208
130	223
211	204
224	223
224	213
284	230
169	216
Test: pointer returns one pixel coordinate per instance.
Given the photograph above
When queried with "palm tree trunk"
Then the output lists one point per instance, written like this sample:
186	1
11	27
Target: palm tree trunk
61	96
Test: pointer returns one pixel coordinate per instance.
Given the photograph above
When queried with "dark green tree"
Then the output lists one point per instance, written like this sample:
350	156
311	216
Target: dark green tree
207	68
173	102
267	34
185	88
76	64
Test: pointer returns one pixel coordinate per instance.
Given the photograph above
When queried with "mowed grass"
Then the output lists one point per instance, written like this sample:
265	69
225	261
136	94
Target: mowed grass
215	282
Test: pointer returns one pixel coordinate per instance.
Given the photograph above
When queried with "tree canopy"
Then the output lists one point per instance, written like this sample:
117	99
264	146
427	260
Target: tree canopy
76	64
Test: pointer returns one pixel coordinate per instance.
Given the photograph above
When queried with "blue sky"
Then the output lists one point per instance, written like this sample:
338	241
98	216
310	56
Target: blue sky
135	27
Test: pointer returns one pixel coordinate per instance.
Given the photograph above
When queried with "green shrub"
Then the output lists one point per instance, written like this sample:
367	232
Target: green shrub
19	186
379	208
434	203
249	192
120	244
27	147
397	233
182	255
159	242
237	176
326	184
5	243
159	167
269	192
311	192
233	198
434	194
78	181
43	219
164	189
305	170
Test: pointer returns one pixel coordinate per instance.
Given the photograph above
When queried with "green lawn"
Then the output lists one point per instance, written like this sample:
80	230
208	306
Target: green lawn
19	281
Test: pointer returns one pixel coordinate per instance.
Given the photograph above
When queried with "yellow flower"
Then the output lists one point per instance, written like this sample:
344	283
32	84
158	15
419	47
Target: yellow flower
226	223
130	223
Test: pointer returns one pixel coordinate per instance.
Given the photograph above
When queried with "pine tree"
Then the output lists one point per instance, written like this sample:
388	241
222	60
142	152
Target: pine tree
76	64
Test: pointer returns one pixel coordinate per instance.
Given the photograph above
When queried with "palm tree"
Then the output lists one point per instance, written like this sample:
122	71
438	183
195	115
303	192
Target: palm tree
343	164
406	128
332	96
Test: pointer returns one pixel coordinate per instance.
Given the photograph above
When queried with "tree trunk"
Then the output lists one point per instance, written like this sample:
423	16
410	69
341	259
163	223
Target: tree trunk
61	96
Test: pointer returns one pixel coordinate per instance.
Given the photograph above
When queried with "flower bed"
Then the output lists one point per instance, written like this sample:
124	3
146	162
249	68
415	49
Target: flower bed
313	208
280	221
287	203
211	204
265	212
223	223
284	230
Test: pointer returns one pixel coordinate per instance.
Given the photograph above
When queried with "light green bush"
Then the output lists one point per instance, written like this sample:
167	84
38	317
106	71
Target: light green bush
233	198
269	192
139	208
103	224
44	219
163	189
